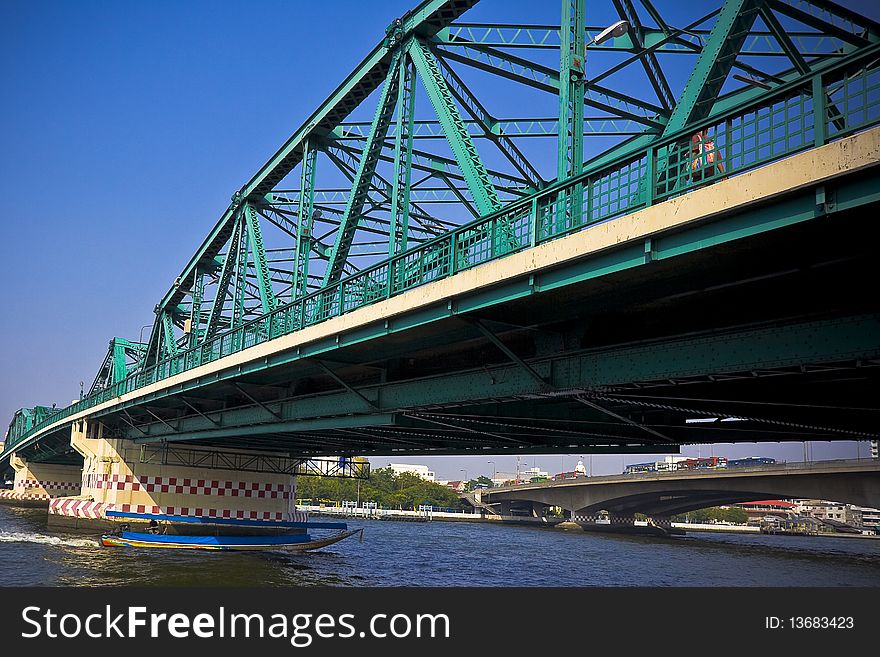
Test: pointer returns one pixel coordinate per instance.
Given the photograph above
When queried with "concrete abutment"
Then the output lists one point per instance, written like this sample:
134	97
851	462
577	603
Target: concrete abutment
116	479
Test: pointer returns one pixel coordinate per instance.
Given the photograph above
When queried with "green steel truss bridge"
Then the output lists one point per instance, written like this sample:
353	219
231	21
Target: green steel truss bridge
646	262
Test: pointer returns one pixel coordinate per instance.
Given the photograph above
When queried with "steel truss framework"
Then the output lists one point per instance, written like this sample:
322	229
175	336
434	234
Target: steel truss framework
359	204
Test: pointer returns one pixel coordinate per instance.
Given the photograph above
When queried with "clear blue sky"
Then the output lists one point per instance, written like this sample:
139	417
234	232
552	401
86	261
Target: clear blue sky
126	128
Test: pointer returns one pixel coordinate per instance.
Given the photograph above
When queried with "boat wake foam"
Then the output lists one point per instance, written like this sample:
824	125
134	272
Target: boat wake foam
23	537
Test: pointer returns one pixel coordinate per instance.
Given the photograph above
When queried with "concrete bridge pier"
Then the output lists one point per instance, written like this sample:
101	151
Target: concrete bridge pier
609	522
38	483
117	478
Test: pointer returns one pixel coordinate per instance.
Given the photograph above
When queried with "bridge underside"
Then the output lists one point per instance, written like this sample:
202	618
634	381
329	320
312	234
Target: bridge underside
775	334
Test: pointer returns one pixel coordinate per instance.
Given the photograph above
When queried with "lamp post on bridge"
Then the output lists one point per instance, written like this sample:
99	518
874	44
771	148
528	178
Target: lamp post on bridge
494	471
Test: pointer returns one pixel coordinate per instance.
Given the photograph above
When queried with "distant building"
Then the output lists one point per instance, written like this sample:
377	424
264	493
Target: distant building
420	470
457	486
870	517
825	510
528	475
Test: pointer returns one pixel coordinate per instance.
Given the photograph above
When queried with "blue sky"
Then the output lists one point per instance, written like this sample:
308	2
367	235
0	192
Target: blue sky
126	128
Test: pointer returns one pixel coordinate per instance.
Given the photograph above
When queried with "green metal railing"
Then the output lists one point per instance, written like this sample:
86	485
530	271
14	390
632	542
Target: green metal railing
846	97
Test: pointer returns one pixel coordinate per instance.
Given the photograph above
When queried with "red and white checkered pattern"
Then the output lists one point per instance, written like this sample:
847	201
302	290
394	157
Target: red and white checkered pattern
181	485
97	510
78	508
200	512
57	485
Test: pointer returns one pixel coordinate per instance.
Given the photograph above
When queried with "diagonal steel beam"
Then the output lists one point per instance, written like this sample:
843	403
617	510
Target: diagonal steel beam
255	239
653	70
429	17
193	408
468	159
784	40
494	339
713	65
821	16
364	176
484	120
345	385
255	400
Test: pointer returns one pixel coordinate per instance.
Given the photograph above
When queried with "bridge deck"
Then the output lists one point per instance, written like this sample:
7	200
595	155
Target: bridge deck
766	200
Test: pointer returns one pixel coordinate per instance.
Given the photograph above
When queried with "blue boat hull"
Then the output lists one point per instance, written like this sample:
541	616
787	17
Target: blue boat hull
222	543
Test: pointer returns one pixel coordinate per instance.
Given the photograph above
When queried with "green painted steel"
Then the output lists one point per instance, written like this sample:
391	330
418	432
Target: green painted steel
403	147
832	90
169	345
653	70
116	366
255	239
784	346
571	89
476	177
715	62
305	221
195	315
241	270
222	291
366	171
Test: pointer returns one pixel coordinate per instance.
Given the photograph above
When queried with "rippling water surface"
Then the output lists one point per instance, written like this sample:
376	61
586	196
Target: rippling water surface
444	554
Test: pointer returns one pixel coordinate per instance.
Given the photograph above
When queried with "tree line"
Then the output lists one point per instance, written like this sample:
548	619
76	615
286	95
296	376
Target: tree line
387	489
714	514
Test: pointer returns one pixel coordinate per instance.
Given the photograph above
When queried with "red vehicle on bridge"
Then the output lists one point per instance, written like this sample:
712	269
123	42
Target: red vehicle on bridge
703	463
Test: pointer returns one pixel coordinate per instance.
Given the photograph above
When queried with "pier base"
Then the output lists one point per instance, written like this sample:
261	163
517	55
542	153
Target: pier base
36	483
116	478
658	525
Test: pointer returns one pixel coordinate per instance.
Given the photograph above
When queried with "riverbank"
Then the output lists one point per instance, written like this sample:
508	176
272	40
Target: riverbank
427	515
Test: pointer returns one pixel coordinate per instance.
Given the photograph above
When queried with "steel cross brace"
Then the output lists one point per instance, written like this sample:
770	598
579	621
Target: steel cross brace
494	339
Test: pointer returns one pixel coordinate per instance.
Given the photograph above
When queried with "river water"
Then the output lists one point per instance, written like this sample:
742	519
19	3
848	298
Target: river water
396	553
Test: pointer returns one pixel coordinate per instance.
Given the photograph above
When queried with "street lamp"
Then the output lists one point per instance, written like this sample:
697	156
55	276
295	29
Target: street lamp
493	471
141	335
465	478
611	32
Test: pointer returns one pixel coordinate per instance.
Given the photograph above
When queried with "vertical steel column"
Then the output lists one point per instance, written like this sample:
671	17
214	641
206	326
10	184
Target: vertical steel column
403	144
306	219
570	160
195	314
168	342
241	273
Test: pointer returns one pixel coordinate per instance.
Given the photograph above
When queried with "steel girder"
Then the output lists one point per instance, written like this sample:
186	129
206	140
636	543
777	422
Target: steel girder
306	221
711	70
364	176
578	374
123	357
476	177
403	149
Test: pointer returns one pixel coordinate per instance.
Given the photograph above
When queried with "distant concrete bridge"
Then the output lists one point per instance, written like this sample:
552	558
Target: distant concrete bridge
661	495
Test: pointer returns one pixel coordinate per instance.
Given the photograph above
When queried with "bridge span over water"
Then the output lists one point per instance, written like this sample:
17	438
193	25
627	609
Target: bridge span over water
449	277
665	494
